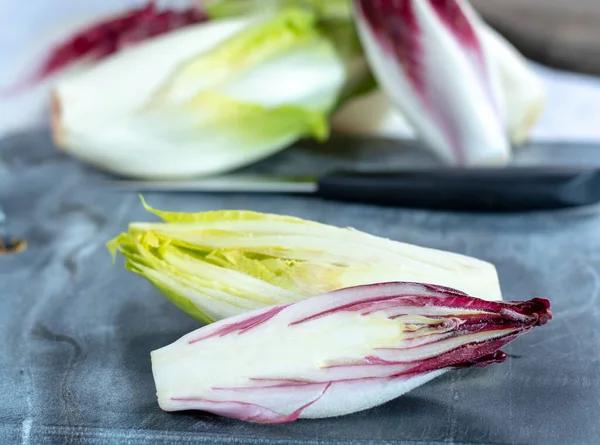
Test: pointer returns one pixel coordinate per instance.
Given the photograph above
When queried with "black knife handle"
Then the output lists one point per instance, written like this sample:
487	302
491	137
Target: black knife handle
468	190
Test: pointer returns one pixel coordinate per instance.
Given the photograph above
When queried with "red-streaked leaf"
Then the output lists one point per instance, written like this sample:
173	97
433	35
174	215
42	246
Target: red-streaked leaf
244	325
429	59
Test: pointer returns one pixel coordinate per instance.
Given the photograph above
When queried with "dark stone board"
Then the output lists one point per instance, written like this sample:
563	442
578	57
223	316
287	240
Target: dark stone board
77	330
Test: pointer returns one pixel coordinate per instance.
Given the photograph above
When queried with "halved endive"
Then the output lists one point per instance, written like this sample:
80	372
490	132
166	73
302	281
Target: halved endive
336	353
214	265
202	99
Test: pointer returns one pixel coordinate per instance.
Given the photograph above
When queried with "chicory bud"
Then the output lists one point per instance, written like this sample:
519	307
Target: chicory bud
337	353
429	58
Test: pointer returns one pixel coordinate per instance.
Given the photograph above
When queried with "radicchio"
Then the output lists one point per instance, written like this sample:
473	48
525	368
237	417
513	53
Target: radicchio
336	353
429	59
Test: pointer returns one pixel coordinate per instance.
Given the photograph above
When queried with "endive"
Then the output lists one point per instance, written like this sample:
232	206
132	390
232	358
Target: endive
429	59
522	93
218	264
202	99
337	353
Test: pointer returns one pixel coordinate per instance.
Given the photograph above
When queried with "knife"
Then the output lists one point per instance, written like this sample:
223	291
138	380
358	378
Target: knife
507	189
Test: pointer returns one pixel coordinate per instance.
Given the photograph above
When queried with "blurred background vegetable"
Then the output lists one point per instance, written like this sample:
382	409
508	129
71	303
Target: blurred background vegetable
367	111
360	107
202	100
430	61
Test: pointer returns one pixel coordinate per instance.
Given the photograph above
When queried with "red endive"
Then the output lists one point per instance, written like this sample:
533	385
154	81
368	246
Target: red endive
337	353
429	59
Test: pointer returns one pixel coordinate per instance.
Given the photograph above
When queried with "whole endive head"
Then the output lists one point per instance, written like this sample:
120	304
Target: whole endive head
217	264
202	99
337	353
429	59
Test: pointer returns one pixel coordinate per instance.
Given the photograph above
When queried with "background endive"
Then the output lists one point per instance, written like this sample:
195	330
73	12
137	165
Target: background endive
366	110
168	108
204	99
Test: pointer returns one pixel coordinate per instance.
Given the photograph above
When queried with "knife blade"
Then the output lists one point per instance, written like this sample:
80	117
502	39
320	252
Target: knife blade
507	189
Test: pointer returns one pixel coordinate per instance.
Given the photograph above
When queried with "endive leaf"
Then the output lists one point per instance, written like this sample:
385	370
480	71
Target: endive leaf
429	59
521	93
219	216
227	262
333	20
337	353
288	34
371	112
339	10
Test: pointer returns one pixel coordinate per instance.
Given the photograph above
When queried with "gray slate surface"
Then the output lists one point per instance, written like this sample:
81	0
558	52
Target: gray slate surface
77	330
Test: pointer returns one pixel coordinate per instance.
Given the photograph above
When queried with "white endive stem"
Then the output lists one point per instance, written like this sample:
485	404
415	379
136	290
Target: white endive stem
430	61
